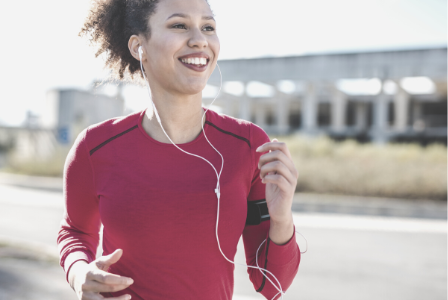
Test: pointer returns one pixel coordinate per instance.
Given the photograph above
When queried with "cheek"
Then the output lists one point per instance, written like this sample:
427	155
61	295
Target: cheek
165	50
215	46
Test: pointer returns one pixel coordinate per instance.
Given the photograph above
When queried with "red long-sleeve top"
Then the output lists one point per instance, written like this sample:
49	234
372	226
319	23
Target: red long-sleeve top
158	204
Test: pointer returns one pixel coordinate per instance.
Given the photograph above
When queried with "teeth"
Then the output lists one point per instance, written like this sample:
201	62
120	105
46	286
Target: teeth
195	61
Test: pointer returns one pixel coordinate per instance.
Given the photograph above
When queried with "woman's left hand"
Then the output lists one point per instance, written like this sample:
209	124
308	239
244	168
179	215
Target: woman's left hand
280	175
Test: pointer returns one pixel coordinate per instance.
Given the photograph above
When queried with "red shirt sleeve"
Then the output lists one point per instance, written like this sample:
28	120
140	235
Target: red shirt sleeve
281	260
78	235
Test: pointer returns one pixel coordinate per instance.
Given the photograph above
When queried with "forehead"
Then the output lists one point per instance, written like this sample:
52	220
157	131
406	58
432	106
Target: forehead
192	8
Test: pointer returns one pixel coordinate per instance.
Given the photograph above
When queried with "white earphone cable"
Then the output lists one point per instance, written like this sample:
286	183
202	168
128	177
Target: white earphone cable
217	190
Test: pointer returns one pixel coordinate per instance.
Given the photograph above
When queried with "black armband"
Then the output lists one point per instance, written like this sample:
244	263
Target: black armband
257	212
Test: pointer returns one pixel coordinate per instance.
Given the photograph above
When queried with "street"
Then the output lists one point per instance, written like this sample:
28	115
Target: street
348	257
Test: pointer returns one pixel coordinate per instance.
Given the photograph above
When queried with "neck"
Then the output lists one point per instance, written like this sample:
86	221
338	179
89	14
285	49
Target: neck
180	116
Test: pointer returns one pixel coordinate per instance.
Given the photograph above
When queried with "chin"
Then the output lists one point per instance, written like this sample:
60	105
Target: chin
194	88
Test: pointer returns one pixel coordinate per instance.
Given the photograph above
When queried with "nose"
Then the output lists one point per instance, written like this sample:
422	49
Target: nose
197	39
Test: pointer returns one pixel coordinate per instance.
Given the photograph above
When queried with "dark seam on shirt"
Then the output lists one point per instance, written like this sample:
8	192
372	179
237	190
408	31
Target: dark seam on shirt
111	139
227	132
265	265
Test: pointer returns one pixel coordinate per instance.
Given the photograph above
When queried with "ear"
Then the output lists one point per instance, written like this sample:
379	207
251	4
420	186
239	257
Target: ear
134	42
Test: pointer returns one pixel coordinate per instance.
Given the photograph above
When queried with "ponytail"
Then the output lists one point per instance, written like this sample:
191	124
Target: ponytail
110	24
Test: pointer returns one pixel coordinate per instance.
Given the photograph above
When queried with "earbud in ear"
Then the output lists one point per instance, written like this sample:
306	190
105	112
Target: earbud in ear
140	51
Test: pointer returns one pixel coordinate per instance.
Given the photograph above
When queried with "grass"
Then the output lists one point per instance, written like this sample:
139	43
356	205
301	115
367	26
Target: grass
407	171
52	166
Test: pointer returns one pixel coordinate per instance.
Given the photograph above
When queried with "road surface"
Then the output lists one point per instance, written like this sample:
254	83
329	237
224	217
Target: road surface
348	256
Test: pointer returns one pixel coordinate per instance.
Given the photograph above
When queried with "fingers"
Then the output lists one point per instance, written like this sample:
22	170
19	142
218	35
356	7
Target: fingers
279	180
94	286
108	278
274	145
123	297
279	156
275	169
276	166
104	262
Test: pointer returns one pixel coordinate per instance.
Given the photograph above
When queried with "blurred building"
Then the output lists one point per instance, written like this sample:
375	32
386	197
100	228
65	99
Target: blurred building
368	96
66	113
397	95
69	111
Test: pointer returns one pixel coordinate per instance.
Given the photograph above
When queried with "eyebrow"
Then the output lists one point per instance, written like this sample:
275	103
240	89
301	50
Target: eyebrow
186	17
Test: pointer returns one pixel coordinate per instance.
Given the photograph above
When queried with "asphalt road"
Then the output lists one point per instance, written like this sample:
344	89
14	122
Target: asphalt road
348	256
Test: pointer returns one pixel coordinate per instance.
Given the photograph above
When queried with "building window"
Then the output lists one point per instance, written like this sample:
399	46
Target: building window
270	120
434	114
350	112
369	114
324	114
391	113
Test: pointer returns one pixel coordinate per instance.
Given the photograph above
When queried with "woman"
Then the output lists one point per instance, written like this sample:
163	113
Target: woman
157	204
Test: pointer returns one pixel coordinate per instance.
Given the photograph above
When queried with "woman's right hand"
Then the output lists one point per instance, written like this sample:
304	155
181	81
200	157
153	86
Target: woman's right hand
88	280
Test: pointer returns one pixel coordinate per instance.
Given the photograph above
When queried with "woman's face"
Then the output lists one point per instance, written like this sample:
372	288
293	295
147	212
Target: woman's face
183	48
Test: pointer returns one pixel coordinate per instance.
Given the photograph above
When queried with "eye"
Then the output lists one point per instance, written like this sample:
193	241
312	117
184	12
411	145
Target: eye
179	26
209	28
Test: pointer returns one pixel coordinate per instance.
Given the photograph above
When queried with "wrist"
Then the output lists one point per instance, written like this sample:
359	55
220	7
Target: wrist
280	232
74	270
283	221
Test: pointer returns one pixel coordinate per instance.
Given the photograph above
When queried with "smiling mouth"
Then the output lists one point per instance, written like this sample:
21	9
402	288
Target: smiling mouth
195	61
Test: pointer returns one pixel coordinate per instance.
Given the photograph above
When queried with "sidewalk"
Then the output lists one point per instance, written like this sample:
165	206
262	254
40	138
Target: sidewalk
303	202
372	206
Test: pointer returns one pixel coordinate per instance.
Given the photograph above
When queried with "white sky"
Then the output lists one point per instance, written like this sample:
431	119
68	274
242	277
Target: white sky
41	50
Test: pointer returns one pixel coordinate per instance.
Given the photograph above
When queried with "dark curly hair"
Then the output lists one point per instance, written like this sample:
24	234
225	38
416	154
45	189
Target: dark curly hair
110	24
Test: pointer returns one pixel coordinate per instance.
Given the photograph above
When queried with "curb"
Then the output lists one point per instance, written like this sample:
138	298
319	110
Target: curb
302	202
33	250
372	206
